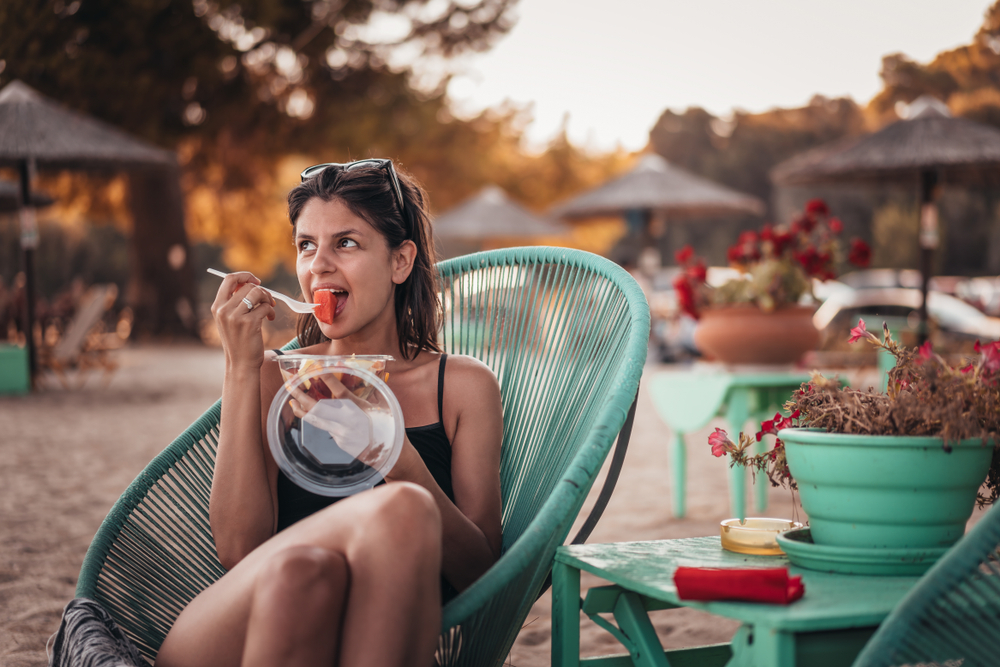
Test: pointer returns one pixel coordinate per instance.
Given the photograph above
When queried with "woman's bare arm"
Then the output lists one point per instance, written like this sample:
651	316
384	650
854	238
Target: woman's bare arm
242	506
471	525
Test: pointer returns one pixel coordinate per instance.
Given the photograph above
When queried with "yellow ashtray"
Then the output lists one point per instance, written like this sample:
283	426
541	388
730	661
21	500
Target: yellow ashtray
755	535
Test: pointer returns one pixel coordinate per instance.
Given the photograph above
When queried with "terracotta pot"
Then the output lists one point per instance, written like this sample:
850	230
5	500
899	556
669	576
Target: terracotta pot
744	334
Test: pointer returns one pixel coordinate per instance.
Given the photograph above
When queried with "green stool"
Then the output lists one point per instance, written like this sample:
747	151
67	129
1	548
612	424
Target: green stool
14	377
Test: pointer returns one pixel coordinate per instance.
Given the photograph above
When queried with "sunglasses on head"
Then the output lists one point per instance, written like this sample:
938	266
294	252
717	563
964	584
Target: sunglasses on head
316	169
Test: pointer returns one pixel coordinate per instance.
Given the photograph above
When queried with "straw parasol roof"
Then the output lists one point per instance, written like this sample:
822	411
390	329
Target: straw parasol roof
491	214
10	199
657	185
958	149
34	127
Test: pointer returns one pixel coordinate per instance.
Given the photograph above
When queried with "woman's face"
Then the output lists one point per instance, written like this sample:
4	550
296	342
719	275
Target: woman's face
340	251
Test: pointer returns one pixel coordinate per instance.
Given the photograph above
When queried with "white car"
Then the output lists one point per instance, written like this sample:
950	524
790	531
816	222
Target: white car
951	315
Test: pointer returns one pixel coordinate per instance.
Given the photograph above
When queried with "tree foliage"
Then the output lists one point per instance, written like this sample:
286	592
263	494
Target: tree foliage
250	92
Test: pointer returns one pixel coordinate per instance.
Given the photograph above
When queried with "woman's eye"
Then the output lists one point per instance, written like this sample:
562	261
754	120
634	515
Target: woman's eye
348	243
306	245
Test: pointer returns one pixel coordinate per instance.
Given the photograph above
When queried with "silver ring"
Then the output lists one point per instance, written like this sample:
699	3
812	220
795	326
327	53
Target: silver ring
248	304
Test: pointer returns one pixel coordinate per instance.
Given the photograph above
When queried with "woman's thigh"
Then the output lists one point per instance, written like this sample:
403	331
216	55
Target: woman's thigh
211	630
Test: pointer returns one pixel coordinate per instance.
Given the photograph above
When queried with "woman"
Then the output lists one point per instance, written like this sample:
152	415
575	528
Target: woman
312	581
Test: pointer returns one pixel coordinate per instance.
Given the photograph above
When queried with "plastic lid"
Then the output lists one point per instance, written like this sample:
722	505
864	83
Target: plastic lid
335	429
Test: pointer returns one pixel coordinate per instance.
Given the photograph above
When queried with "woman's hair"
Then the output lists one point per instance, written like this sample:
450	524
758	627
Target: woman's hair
369	193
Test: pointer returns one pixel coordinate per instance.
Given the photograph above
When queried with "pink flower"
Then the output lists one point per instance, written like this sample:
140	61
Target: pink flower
966	369
991	356
925	351
772	426
859	332
721	444
836	226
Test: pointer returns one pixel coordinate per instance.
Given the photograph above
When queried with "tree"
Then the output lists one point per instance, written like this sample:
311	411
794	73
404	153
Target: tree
236	87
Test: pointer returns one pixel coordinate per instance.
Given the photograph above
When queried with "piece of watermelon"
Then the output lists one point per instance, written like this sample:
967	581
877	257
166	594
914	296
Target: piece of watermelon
327	305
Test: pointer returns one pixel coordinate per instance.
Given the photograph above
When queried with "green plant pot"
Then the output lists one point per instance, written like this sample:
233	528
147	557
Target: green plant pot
885	491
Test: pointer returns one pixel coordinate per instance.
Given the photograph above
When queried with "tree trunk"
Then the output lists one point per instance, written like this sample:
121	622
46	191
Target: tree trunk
161	286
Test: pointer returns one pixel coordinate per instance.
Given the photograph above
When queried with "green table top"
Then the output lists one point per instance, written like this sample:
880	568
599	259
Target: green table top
831	601
687	400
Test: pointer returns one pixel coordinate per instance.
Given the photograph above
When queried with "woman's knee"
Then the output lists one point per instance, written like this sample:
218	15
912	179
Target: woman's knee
304	570
410	507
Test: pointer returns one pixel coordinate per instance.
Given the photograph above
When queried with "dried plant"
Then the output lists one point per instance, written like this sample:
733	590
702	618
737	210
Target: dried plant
925	396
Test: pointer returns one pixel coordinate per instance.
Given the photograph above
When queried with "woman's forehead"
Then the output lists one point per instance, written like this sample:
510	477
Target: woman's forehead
322	218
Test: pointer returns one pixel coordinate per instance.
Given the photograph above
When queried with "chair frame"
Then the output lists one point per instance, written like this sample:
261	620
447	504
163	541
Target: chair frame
479	616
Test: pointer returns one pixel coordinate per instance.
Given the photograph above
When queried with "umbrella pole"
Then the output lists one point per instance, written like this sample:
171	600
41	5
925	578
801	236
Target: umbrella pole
928	243
29	241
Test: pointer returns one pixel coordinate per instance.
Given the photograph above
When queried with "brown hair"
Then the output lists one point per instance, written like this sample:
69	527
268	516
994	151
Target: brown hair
369	193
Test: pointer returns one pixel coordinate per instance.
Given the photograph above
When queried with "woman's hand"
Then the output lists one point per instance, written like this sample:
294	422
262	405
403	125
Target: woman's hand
240	309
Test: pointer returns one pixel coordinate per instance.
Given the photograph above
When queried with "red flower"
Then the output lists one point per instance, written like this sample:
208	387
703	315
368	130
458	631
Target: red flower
859	332
721	444
811	260
781	241
804	224
860	254
925	351
836	226
817	207
684	254
967	369
699	272
685	295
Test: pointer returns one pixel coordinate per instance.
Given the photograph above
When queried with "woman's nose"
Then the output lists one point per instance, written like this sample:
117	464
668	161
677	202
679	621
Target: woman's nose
324	261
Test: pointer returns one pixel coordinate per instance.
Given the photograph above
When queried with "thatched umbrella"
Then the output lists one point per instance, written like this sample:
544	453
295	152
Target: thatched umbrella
926	148
35	132
656	186
492	214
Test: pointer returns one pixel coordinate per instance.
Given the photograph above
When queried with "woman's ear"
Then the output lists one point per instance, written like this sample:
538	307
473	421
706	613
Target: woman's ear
403	258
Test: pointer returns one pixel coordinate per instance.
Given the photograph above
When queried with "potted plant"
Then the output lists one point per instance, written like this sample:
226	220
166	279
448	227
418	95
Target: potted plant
757	317
895	470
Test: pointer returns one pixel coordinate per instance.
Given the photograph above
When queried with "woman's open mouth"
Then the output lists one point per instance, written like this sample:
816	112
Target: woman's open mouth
331	303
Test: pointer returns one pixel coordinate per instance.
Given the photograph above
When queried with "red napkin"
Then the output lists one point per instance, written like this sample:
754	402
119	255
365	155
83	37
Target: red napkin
752	585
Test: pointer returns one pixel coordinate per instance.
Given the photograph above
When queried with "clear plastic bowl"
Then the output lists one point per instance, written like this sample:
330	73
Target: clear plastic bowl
334	428
291	364
756	535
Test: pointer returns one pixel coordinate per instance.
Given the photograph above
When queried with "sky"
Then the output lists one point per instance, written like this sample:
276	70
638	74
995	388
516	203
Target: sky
614	67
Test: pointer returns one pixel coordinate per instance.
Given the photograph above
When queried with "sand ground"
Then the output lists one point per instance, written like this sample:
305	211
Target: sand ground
68	454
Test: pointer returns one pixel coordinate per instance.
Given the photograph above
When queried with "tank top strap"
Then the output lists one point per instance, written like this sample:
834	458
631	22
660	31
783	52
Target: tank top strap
441	388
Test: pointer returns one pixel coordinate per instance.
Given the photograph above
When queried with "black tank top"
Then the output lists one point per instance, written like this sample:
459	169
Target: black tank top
430	441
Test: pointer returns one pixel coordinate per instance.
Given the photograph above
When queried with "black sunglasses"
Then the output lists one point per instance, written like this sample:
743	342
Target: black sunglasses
316	169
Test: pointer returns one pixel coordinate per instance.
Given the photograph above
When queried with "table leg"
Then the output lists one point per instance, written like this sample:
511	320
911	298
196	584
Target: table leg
759	646
634	622
737	412
565	615
678	474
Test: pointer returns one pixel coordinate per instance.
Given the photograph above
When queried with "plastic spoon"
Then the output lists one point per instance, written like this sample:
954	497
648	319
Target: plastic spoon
297	306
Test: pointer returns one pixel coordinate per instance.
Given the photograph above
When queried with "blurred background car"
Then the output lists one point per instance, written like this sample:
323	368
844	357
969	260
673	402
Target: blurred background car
954	324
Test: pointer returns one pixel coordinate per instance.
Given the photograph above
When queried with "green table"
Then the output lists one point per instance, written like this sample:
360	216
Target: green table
689	400
828	626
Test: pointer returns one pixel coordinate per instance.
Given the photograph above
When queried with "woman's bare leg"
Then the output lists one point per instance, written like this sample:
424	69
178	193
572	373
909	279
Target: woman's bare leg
390	538
394	611
297	609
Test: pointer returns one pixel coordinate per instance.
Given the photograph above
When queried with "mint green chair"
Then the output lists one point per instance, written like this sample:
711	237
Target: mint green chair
952	616
565	331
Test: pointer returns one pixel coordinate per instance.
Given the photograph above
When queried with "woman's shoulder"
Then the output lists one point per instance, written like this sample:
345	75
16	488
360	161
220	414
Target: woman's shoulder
468	378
